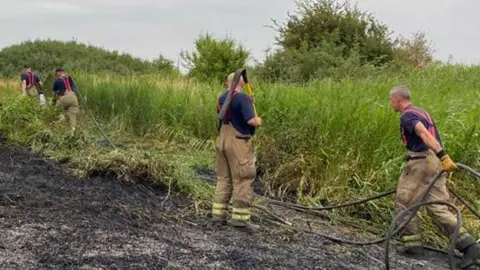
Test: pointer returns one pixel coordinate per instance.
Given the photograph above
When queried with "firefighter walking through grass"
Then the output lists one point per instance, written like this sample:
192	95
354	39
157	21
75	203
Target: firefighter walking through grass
235	159
32	85
64	88
426	158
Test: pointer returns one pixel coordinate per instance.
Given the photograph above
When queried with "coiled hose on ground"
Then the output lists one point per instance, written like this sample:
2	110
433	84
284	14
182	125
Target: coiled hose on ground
415	208
392	230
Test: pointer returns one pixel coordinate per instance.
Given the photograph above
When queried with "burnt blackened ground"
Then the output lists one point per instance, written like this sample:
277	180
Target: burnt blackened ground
49	220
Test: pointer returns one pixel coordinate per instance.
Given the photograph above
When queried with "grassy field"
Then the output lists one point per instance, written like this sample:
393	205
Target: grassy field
326	142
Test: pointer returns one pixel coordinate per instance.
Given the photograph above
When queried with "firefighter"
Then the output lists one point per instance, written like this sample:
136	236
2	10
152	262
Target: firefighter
235	160
426	158
32	85
64	89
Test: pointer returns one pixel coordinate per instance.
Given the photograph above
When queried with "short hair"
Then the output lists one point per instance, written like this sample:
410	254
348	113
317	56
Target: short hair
230	77
401	91
59	70
27	66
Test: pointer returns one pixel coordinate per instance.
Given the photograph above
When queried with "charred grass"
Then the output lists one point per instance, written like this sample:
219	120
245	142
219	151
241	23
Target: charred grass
323	143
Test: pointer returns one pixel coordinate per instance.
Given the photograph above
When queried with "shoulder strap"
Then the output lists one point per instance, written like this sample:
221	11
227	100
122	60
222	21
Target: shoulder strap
233	96
66	83
229	109
219	107
31	78
432	129
423	114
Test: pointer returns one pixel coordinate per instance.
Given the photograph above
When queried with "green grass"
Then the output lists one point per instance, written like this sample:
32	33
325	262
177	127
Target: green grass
326	142
137	158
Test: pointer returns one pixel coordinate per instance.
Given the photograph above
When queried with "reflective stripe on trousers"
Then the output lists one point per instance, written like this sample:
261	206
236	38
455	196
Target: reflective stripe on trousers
235	171
410	241
241	214
219	209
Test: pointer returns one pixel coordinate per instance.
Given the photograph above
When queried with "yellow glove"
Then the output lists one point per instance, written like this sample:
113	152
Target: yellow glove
447	163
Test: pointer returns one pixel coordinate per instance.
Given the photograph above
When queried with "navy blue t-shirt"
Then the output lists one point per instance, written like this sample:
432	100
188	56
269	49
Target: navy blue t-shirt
62	84
241	112
30	78
408	120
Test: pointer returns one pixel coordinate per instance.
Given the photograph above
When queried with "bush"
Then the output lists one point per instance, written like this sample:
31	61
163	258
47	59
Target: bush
213	59
46	55
415	52
304	64
319	23
327	38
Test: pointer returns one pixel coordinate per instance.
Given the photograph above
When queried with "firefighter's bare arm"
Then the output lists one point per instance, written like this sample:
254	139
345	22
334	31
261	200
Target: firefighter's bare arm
249	112
427	138
256	121
447	163
24	86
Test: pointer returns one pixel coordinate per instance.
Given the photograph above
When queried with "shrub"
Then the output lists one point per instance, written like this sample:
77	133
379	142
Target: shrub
213	59
46	55
327	38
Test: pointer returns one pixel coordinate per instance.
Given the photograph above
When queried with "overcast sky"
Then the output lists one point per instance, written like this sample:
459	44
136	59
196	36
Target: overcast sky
146	28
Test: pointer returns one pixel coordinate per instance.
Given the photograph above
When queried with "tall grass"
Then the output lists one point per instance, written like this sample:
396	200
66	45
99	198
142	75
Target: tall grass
327	141
166	158
323	131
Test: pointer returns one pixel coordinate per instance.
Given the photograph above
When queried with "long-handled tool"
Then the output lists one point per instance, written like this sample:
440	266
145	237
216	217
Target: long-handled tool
250	94
240	73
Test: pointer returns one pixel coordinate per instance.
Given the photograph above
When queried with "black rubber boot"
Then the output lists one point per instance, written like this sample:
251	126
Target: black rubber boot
467	244
411	251
471	255
246	225
411	245
219	220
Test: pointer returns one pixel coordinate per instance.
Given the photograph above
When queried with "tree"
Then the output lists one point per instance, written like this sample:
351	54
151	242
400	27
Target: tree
317	22
334	32
416	52
213	59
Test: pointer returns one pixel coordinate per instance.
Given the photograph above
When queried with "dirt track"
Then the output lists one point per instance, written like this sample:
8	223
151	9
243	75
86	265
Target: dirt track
49	220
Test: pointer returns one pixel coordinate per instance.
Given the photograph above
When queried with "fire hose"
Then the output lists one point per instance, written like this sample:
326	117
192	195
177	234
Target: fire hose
241	73
92	117
392	230
415	208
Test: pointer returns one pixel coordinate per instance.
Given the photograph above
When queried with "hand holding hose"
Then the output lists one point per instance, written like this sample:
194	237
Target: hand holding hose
447	163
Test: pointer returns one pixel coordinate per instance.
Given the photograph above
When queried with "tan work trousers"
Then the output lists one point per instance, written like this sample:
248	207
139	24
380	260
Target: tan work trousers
411	187
32	91
69	104
236	172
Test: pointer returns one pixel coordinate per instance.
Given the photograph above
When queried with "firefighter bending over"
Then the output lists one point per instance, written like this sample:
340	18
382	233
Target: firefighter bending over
32	85
64	88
